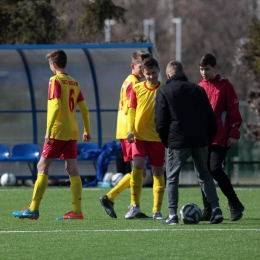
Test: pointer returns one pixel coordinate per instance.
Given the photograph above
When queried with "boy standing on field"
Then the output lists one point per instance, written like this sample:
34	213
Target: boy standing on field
107	201
224	102
145	140
64	94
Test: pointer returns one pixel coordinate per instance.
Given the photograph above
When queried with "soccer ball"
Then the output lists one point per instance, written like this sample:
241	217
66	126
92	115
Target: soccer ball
116	178
8	179
190	213
107	177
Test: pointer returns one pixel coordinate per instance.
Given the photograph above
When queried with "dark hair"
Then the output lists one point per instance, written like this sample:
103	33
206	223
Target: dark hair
150	63
208	59
174	67
138	56
58	57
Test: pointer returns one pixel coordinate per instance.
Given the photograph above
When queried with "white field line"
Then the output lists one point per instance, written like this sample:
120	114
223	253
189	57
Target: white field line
130	230
89	189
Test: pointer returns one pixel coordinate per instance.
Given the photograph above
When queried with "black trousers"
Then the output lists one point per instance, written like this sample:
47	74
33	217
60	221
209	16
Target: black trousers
216	164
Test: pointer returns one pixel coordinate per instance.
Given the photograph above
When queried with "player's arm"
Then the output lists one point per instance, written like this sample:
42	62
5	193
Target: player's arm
128	90
131	116
130	123
54	104
85	117
53	110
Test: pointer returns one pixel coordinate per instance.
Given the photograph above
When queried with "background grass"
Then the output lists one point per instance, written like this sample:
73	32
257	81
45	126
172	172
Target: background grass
100	237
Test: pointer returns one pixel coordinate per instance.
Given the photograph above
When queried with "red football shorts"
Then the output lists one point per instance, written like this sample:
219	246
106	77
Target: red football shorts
154	150
60	149
127	150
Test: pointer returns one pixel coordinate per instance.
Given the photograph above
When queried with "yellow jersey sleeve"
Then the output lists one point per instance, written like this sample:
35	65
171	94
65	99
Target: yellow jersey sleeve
85	116
130	120
53	110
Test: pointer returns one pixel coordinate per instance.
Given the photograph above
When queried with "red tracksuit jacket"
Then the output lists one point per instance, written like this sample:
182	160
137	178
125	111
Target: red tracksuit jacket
225	104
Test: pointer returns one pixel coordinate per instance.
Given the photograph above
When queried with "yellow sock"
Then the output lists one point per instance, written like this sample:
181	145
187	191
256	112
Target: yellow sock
158	192
39	189
136	184
121	186
76	192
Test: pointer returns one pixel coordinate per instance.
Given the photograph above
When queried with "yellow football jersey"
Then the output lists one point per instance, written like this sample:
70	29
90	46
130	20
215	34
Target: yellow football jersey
143	101
121	130
64	95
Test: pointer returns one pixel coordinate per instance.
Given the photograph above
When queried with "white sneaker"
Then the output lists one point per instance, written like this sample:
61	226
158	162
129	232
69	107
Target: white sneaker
157	215
134	210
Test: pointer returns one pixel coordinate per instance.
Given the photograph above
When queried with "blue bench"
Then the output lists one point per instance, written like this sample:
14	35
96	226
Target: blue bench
30	153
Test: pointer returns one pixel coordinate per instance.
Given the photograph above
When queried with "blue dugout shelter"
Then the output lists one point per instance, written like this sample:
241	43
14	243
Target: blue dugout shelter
100	69
24	75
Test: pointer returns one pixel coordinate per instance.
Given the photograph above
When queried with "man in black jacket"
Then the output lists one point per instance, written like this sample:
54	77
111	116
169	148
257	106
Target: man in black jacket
186	124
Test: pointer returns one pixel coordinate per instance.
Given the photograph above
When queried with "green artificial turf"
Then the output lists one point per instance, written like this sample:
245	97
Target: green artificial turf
100	237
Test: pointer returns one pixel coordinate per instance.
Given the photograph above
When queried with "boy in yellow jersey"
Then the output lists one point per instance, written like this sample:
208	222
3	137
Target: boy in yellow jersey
107	201
64	94
145	140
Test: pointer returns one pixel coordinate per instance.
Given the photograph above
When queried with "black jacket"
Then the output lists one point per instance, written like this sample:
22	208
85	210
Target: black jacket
183	115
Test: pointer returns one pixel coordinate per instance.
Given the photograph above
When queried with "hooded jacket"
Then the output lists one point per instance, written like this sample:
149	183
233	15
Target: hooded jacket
225	104
183	115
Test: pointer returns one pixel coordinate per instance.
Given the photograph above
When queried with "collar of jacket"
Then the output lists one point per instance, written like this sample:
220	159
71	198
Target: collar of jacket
216	79
181	77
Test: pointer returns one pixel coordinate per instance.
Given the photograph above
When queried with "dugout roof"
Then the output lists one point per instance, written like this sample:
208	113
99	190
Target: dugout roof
24	75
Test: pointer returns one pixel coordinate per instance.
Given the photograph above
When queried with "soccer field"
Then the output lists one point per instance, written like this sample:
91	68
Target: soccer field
100	237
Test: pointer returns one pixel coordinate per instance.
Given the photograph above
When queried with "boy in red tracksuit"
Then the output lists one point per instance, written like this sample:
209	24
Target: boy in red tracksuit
224	102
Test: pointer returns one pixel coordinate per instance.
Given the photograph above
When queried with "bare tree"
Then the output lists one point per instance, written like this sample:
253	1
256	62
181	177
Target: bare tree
249	61
207	26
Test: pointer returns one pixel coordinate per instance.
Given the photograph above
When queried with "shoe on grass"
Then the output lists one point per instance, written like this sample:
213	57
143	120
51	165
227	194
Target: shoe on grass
71	215
157	215
108	205
236	210
134	210
171	220
216	216
26	213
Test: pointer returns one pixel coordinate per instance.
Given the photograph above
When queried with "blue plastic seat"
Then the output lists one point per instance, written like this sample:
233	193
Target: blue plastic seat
4	152
27	152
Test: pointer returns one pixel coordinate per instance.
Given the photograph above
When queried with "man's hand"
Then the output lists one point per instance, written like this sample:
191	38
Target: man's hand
47	138
86	137
130	137
232	142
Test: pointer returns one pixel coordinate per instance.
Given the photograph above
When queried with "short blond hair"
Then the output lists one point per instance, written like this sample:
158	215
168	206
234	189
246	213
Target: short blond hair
174	67
139	56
